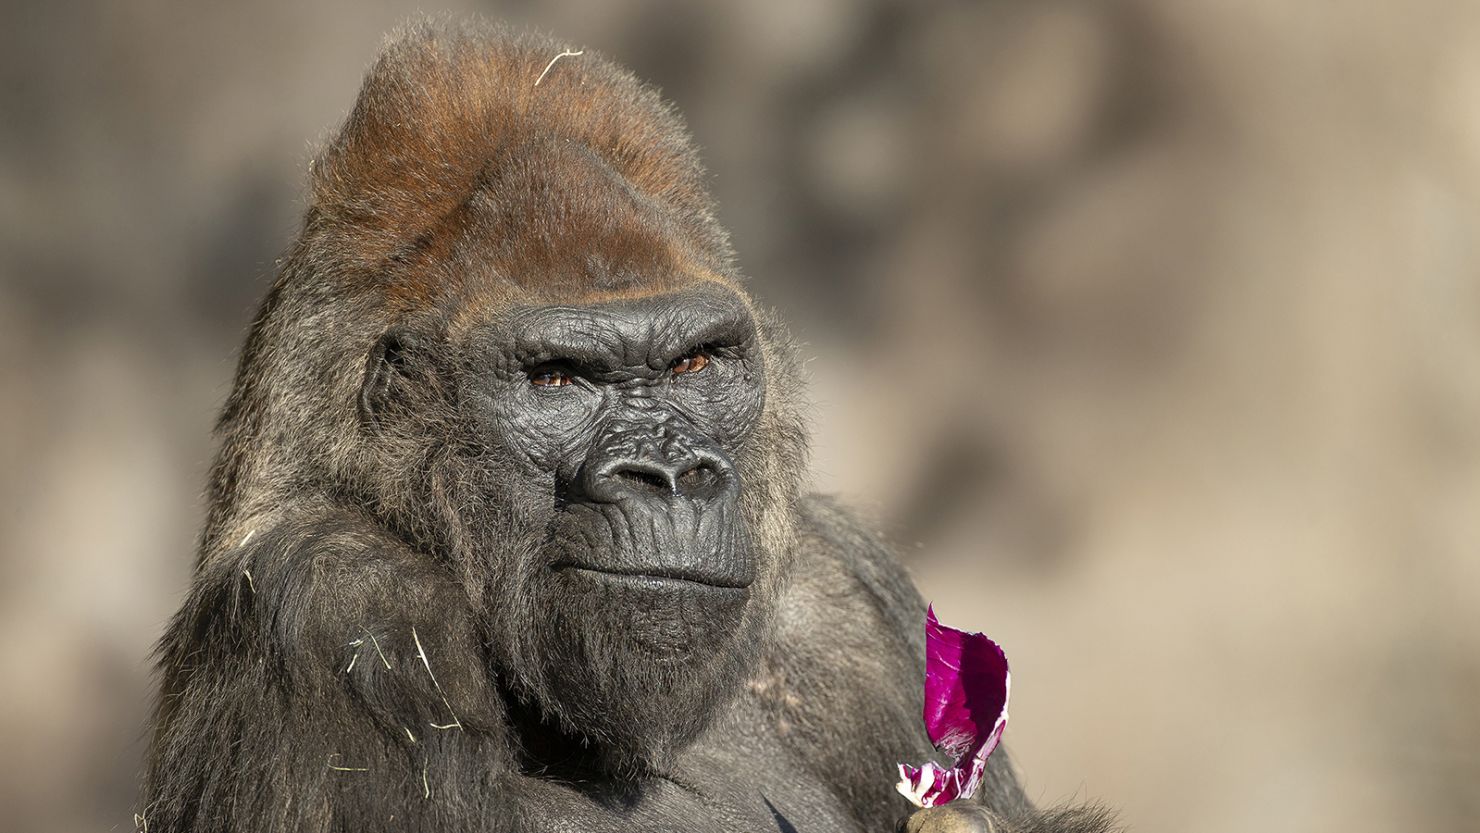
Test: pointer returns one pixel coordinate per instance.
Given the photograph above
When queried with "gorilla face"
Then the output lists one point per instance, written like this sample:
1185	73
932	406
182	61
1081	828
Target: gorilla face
617	565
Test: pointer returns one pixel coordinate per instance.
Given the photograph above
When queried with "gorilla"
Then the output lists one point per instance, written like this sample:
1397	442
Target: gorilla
508	530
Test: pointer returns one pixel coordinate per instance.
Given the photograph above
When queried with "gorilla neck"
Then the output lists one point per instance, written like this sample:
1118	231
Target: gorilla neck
622	757
546	750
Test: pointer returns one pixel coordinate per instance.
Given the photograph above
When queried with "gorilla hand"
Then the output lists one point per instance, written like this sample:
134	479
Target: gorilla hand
958	817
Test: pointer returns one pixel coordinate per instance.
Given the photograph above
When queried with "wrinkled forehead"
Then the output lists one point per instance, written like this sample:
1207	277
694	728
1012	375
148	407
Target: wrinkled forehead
551	223
619	335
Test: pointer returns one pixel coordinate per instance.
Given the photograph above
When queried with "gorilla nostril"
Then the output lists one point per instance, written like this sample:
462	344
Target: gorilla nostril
700	478
643	480
624	466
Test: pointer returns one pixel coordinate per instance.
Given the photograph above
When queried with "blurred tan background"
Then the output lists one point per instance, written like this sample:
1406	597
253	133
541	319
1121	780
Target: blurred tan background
1151	329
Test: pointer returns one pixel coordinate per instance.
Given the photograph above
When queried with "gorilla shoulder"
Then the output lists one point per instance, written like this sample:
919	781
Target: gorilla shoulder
837	549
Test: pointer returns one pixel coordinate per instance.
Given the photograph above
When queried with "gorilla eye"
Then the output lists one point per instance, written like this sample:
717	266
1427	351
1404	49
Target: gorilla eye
692	363
549	379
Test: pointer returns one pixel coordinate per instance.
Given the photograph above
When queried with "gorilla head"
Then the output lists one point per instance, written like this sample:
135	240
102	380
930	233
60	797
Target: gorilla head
513	333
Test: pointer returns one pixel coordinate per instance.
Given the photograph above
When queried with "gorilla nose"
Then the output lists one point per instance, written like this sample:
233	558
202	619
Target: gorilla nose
702	475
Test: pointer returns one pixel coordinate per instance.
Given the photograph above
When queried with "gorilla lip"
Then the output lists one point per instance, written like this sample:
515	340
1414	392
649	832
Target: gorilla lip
655	580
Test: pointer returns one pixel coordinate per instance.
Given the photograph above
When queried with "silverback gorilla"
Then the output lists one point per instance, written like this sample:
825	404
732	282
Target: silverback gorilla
507	529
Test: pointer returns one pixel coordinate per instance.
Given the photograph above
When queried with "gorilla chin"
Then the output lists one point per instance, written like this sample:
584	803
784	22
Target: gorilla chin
648	635
635	667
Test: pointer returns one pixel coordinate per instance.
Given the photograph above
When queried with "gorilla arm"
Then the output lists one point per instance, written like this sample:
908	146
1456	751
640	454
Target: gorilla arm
318	673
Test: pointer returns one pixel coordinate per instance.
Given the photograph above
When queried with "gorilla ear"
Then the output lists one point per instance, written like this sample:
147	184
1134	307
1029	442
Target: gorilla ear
385	369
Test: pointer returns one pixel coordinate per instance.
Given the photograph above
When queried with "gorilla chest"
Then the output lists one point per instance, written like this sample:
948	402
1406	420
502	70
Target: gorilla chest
736	788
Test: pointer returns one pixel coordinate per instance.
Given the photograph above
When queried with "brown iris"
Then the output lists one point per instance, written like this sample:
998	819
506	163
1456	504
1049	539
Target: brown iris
689	364
549	379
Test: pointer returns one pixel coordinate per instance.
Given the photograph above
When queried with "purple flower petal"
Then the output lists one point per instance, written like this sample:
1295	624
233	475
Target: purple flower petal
966	688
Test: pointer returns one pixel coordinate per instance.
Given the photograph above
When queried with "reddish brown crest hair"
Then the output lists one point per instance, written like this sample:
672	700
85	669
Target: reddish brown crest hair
465	138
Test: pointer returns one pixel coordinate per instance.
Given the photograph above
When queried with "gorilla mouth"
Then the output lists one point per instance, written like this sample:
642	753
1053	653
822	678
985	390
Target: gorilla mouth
641	546
655	578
